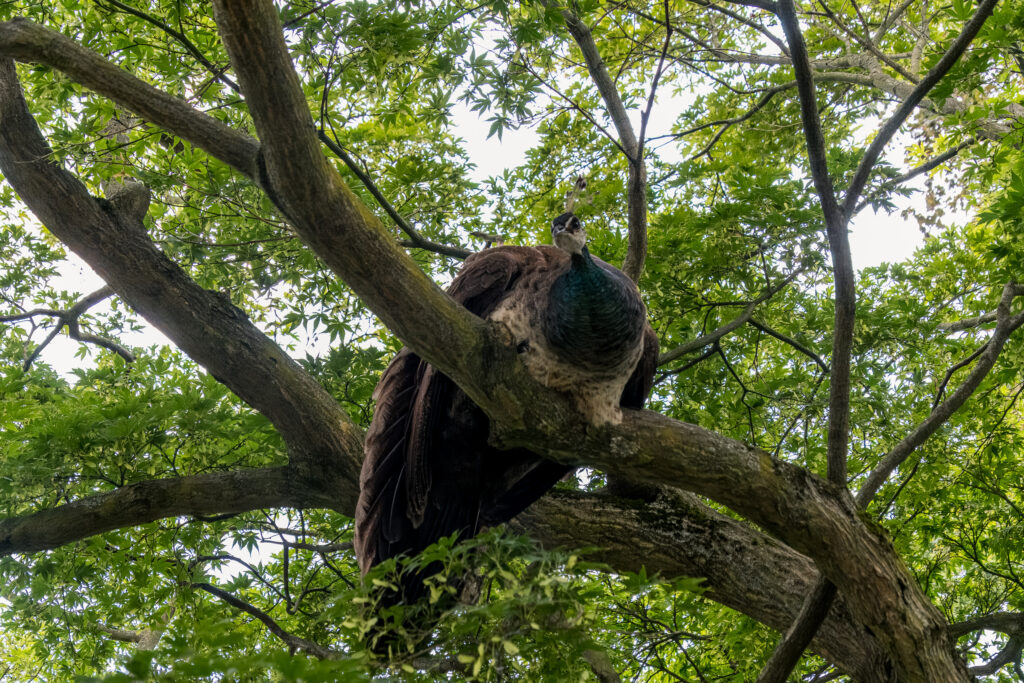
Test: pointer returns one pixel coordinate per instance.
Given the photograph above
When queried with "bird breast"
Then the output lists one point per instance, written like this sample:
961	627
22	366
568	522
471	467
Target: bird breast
595	389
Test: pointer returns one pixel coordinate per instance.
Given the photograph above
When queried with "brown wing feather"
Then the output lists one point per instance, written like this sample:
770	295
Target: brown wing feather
407	499
635	393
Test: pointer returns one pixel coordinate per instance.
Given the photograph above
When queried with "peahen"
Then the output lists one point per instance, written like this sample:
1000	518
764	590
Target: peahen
580	327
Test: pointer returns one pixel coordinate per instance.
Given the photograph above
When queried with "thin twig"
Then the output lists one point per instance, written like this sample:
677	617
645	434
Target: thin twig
949	373
923	168
70	318
414	236
792	342
215	71
715	335
290	639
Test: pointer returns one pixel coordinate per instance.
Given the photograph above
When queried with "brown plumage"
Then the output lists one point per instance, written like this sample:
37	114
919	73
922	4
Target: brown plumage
429	471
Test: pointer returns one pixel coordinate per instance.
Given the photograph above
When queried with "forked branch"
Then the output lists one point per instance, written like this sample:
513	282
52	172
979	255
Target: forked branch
70	318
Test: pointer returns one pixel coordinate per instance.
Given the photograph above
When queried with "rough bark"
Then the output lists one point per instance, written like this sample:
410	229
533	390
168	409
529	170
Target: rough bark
679	536
112	239
810	515
148	501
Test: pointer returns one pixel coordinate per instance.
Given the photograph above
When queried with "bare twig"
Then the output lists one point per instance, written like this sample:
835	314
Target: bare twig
792	342
922	169
417	240
949	373
215	71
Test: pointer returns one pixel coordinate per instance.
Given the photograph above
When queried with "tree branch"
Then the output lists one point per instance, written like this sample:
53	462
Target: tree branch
924	168
415	237
678	536
930	80
325	212
1005	622
111	238
941	413
70	318
839	245
792	342
636	184
147	501
25	41
291	640
969	323
867	44
787	653
715	335
216	72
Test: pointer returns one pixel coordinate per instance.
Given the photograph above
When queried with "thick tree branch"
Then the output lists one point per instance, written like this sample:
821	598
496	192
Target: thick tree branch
678	536
1011	653
147	501
1005	622
942	412
111	238
25	41
325	212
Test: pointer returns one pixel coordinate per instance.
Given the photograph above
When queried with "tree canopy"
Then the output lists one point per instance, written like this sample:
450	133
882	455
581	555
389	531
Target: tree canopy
833	456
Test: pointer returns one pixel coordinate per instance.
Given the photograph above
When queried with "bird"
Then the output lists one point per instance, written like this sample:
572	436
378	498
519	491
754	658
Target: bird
580	327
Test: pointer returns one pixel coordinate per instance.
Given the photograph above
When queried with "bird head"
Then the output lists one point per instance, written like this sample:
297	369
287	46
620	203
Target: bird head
567	233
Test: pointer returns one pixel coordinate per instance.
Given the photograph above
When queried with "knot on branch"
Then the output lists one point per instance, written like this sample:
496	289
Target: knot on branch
128	198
